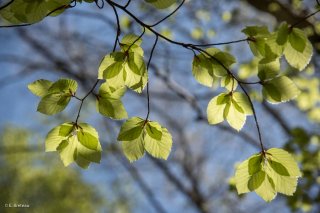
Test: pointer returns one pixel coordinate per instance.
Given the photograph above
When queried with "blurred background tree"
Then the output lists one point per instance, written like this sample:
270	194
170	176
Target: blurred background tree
195	178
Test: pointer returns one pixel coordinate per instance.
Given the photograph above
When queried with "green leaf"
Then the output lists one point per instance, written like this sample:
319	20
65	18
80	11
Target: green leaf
243	101
282	34
245	170
53	139
235	115
134	149
131	43
67	150
161	4
129	39
286	160
256	180
87	140
40	87
293	54
202	70
232	107
109	103
158	148
268	173
136	72
66	86
154	130
216	108
89	154
267	191
220	61
279	89
268	69
66	129
113	58
53	103
131	129
253	31
298	39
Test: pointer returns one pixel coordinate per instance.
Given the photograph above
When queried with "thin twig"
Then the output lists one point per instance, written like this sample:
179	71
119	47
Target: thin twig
118	28
305	18
84	98
127	4
221	43
6	5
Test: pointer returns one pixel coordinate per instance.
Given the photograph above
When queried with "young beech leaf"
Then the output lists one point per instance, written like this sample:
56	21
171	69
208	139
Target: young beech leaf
40	87
75	143
298	50
235	115
232	107
161	4
125	68
269	173
131	129
202	70
279	89
268	68
138	136
263	44
298	39
109	102
282	34
213	62
131	43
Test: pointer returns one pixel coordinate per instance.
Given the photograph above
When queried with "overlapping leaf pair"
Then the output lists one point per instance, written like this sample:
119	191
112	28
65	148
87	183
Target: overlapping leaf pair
55	96
267	174
138	136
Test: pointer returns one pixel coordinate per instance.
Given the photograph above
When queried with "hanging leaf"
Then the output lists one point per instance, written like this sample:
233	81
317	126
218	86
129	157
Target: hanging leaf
268	68
279	89
298	54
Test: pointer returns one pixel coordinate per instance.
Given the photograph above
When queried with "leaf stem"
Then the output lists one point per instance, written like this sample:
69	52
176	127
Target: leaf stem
148	65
